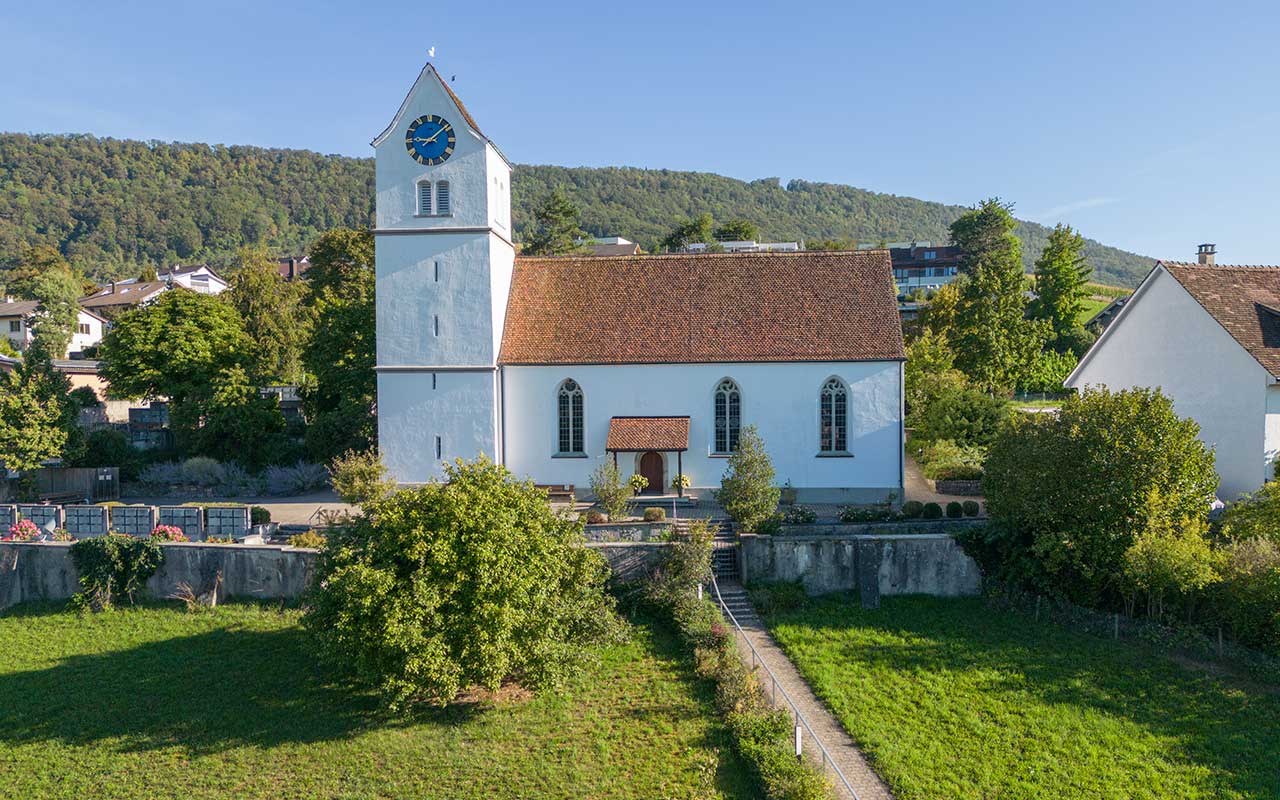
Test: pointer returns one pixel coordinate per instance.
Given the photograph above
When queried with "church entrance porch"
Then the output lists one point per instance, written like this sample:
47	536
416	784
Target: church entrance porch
651	469
652	437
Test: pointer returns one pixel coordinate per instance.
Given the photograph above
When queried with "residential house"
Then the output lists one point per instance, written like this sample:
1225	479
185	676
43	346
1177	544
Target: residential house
923	266
294	267
612	246
1208	336
16	318
198	278
119	296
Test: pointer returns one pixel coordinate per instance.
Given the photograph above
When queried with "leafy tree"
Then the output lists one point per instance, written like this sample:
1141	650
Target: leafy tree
1069	492
1254	516
993	340
700	229
1061	274
465	583
1047	372
274	316
35	261
747	490
235	423
939	314
556	230
611	493
1170	558
737	230
341	354
360	478
56	315
31	423
928	357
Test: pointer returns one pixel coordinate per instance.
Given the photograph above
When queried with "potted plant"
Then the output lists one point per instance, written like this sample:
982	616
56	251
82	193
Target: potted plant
680	482
638	483
788	495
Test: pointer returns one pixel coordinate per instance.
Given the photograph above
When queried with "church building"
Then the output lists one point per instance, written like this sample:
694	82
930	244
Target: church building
655	362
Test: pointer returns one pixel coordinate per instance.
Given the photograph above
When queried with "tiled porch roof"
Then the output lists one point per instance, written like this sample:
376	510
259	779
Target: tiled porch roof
634	434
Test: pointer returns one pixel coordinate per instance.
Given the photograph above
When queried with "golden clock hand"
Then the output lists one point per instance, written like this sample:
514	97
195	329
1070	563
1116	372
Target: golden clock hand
433	136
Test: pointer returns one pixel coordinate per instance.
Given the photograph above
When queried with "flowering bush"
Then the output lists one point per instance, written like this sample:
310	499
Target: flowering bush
24	530
168	533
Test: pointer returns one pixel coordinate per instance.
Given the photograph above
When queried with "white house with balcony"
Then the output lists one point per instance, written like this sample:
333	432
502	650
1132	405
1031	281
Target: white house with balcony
18	316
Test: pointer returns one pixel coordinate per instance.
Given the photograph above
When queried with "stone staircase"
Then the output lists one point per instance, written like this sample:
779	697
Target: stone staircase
724	548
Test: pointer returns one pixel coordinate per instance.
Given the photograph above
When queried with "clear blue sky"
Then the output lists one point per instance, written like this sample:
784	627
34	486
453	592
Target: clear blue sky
1151	126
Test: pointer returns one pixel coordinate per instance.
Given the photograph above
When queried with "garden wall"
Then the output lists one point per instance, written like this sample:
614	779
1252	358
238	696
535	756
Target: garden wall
44	571
31	571
898	564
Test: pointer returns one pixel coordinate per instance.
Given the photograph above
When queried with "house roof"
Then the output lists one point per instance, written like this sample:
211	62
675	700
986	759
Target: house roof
18	308
629	249
634	434
187	270
703	308
914	256
1245	300
123	294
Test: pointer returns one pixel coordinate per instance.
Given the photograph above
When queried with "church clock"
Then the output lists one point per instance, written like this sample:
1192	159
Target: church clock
429	140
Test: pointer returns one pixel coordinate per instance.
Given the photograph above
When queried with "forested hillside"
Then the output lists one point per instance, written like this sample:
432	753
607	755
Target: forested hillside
113	206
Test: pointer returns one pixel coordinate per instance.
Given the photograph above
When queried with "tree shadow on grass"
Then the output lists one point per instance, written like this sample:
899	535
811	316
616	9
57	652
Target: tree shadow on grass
206	693
1228	728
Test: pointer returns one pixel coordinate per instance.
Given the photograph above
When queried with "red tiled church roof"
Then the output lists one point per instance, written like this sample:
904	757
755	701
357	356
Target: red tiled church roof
703	308
648	433
1244	300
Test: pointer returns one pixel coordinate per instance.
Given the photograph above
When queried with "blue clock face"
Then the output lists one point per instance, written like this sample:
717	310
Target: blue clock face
429	140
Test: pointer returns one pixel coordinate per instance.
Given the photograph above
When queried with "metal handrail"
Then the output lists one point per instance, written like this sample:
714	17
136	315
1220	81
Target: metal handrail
756	658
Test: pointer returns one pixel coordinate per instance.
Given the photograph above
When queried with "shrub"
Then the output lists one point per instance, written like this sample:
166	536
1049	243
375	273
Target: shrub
108	447
611	494
1171	557
202	471
655	514
1248	595
912	509
1254	516
747	492
259	515
594	517
1070	491
638	483
955	510
963	415
854	515
468	582
772	526
168	533
112	566
311	539
971	508
298	478
1048	370
953	472
932	511
163	474
799	515
359	477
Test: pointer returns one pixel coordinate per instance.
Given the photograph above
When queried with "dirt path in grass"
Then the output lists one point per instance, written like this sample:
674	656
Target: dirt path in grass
865	782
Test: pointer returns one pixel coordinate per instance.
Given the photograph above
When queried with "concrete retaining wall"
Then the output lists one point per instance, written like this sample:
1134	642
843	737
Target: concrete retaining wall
628	532
44	571
900	564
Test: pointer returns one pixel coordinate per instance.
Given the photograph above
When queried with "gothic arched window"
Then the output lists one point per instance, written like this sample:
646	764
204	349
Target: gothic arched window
727	410
833	417
569	402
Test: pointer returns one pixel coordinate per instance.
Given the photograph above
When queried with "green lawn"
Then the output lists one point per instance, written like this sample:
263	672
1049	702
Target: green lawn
1091	306
952	699
158	703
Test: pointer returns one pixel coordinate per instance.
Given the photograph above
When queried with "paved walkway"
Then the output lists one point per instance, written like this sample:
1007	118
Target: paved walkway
844	752
918	487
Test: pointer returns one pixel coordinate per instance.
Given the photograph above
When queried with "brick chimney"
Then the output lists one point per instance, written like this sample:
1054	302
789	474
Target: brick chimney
1205	253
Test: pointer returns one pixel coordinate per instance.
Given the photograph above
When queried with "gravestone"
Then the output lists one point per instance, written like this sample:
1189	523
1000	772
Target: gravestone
83	522
42	515
189	518
227	523
133	520
8	516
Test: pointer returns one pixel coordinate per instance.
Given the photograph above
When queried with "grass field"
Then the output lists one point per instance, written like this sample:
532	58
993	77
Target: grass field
952	699
158	703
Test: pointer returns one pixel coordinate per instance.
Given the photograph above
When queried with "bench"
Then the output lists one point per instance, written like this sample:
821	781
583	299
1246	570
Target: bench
63	498
557	493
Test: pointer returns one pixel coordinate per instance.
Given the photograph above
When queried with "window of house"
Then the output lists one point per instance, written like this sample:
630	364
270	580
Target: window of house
728	415
83	328
424	197
929	255
833	414
15	326
569	401
442	197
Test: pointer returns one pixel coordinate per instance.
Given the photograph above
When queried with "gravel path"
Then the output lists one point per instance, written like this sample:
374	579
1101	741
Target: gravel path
846	755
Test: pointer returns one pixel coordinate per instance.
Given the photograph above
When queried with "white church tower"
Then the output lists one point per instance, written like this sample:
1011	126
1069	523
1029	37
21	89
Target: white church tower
444	261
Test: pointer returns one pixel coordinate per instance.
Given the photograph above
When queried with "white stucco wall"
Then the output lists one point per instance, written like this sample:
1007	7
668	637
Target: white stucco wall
781	400
1165	339
80	341
460	409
